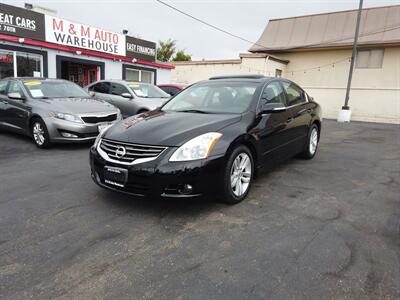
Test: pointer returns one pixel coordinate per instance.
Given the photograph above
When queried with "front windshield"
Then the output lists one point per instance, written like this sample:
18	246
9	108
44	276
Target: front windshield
145	90
54	89
214	97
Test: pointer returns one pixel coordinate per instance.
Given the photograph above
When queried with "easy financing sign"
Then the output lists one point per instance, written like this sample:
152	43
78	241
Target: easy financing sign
29	24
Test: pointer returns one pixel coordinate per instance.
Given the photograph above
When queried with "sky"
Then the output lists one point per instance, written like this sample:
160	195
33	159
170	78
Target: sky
151	20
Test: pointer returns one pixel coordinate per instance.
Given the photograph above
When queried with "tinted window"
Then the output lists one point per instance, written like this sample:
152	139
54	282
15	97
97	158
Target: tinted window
3	87
273	93
214	97
102	87
118	89
294	94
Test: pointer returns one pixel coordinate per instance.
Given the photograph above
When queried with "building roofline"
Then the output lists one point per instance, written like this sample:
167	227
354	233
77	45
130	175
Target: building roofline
332	12
206	62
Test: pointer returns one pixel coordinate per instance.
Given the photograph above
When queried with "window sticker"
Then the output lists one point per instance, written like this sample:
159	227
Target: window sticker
29	83
139	93
132	85
36	93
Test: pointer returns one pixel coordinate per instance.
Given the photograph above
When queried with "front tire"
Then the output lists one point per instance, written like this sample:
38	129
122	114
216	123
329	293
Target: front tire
40	134
238	175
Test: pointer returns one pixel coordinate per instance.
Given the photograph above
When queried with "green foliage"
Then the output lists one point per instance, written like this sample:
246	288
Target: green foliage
166	50
182	56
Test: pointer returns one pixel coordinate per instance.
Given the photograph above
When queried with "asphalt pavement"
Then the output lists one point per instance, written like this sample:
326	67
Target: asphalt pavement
325	228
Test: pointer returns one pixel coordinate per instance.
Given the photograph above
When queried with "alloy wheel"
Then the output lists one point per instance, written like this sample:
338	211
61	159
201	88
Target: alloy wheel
241	174
313	141
38	133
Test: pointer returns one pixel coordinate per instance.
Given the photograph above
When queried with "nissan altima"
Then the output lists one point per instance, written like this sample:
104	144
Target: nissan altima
52	111
209	140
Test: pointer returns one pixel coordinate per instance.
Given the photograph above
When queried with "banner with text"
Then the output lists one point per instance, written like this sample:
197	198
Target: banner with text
142	49
64	32
21	22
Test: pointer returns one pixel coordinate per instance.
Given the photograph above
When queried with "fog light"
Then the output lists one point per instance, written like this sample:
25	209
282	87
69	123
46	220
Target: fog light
185	189
68	135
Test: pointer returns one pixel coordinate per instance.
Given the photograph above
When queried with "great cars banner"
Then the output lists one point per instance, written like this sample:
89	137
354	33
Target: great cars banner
21	22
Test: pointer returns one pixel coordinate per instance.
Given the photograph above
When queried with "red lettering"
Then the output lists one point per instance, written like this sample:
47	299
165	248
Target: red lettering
59	26
115	38
85	32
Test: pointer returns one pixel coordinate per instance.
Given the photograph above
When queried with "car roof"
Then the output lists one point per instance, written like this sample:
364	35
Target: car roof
25	79
242	77
178	85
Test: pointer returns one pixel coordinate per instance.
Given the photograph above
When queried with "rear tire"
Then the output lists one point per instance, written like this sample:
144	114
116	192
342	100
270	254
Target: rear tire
311	146
238	175
40	134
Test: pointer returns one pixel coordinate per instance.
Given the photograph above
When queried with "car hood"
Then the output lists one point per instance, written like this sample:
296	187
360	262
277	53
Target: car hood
168	128
78	105
151	103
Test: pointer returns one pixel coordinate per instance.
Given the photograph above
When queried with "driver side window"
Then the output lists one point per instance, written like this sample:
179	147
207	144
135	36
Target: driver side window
273	93
14	87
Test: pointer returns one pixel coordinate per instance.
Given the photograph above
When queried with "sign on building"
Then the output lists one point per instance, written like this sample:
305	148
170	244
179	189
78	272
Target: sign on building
21	22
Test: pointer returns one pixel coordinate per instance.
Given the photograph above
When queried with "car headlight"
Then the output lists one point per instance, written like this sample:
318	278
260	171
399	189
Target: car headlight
67	117
198	148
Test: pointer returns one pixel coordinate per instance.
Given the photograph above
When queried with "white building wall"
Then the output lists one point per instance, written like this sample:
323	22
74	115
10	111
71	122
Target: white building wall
163	76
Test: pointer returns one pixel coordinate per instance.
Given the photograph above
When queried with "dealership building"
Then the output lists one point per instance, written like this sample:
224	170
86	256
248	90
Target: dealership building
42	45
314	51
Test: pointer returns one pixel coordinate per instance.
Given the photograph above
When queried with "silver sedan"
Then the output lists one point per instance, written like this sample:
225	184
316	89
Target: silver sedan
130	97
53	111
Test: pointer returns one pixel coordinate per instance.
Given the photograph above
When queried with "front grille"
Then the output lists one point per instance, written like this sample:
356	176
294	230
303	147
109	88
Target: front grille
114	150
99	119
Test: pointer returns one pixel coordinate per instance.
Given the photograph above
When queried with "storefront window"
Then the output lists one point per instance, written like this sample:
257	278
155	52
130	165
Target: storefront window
138	75
146	77
19	64
28	65
132	75
6	64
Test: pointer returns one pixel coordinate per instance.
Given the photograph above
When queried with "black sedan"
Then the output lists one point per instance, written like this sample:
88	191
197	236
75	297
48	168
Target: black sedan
210	139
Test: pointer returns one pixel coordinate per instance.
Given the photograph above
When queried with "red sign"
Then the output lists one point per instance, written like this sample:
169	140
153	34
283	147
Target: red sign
6	59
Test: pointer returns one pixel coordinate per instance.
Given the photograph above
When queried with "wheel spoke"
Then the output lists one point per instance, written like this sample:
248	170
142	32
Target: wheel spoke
238	188
243	163
245	179
234	180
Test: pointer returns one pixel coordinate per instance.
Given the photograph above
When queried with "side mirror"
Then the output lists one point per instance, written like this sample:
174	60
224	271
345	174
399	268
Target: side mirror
91	93
16	96
269	108
126	95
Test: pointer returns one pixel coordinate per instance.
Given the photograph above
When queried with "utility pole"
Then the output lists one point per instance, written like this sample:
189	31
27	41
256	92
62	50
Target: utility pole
346	109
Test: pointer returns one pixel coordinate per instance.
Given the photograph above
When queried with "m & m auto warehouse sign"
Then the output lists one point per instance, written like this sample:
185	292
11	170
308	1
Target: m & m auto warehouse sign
25	23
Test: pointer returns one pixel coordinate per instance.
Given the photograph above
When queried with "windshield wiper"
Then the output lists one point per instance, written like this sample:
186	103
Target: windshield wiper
194	111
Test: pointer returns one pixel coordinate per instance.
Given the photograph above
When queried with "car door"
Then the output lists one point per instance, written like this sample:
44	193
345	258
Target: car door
273	127
300	111
101	90
3	100
17	110
126	105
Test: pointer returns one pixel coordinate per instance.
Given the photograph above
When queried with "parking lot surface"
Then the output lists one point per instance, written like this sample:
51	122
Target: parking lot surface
325	228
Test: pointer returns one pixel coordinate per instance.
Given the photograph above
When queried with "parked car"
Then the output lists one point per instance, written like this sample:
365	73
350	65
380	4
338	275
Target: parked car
172	88
130	97
52	111
210	139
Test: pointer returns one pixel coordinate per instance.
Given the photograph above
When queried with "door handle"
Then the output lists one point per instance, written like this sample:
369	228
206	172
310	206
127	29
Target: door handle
4	101
289	120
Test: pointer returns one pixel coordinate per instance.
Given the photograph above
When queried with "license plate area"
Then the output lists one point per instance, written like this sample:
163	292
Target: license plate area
115	176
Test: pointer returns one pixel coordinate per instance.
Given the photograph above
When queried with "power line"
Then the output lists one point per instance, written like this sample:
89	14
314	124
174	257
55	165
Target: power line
209	25
396	26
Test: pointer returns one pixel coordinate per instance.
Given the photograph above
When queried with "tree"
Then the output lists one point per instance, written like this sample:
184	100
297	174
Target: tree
182	56
166	50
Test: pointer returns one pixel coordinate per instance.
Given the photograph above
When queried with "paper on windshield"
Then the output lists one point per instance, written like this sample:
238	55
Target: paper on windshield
36	93
139	93
28	83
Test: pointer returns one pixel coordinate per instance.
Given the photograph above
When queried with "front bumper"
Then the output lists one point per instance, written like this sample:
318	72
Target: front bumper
161	178
83	132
